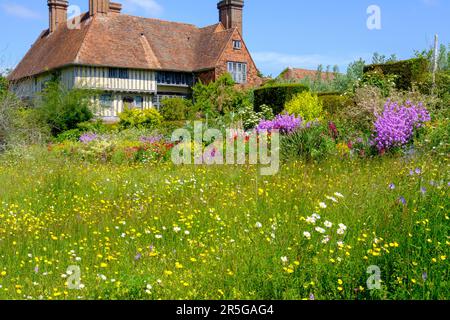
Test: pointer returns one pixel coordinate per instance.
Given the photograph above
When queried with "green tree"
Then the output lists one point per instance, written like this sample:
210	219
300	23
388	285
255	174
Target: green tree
63	109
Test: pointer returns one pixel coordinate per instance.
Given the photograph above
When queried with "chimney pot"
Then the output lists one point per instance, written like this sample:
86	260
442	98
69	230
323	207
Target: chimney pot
230	13
57	11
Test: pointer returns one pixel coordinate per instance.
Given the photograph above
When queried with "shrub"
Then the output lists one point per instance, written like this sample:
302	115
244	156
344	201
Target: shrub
219	97
69	135
175	109
408	72
97	126
19	126
436	137
309	143
334	102
276	96
395	126
138	118
250	118
64	109
376	78
305	105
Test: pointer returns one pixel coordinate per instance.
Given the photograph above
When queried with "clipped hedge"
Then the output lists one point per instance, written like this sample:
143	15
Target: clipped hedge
408	72
276	96
334	101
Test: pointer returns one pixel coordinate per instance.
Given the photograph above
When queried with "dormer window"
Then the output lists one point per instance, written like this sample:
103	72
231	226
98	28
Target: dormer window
237	44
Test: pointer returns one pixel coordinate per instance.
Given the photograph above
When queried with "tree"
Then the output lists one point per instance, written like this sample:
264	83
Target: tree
3	85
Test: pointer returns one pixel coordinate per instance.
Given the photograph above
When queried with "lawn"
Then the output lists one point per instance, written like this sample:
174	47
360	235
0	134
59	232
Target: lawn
224	232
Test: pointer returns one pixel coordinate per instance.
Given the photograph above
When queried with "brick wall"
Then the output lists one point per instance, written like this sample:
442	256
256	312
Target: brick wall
242	55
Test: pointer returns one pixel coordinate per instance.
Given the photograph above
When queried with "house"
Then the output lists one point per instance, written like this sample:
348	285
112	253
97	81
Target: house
133	60
296	74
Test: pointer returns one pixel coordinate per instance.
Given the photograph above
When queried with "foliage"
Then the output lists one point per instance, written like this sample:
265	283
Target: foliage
436	137
63	109
305	105
175	109
395	126
309	143
334	102
409	72
376	78
3	86
250	118
276	96
140	118
219	97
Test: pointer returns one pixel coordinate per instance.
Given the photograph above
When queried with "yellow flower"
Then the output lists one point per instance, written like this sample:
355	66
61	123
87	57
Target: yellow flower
103	265
3	273
178	265
340	282
340	288
168	273
443	258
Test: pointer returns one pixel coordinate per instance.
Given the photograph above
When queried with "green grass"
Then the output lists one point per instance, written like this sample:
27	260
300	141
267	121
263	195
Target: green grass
106	219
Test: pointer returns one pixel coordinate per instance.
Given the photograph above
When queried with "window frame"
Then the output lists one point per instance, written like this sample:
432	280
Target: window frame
237	44
238	71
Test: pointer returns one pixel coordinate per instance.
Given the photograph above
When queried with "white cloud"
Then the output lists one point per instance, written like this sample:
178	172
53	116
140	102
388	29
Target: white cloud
150	7
20	11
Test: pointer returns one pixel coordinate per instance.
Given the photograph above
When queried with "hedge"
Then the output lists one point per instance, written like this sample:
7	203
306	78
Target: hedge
275	96
408	72
334	101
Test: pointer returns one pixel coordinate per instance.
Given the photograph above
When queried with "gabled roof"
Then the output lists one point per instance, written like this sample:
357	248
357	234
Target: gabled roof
126	41
299	74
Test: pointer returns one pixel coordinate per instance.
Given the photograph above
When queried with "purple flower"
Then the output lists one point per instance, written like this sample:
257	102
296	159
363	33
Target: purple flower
423	190
138	256
36	269
395	126
88	137
424	276
392	186
402	200
285	123
152	139
418	171
312	297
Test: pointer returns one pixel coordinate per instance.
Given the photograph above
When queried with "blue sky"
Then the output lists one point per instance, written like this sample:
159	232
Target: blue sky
279	33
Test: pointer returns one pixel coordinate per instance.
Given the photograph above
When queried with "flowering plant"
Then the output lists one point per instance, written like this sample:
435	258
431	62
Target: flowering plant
284	122
395	126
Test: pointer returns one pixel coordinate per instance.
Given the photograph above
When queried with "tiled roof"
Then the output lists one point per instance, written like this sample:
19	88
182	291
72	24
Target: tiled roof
299	74
126	41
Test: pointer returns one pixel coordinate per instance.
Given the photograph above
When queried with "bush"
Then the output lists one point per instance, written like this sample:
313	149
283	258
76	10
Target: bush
175	109
19	126
312	143
219	97
69	135
409	72
97	126
334	102
276	96
138	118
64	109
306	105
376	78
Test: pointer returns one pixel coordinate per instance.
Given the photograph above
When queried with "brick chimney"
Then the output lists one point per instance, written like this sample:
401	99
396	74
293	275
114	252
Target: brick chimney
115	8
98	7
230	13
57	12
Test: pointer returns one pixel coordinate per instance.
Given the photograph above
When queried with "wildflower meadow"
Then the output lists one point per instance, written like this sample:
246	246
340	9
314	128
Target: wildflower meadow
313	231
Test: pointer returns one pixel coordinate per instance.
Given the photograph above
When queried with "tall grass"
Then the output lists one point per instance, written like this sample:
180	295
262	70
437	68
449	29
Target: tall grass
185	232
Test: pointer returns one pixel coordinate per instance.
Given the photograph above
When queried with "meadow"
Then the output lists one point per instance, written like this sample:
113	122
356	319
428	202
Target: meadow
143	231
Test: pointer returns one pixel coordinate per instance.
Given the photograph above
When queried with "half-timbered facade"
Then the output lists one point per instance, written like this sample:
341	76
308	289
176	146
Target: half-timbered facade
130	60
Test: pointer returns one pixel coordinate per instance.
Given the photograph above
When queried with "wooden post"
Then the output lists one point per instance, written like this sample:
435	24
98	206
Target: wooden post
435	60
